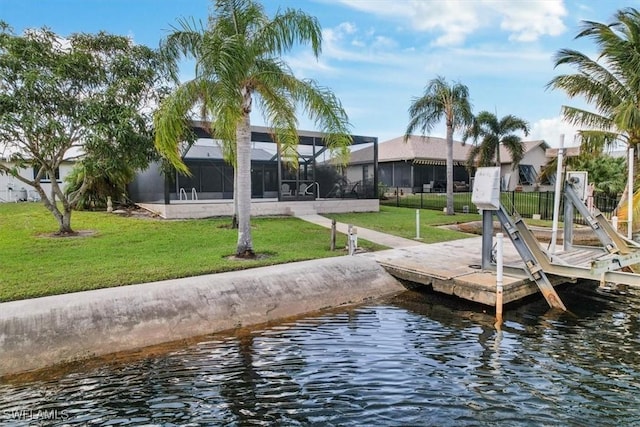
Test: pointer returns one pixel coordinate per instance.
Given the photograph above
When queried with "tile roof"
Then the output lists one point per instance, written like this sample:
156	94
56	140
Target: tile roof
426	148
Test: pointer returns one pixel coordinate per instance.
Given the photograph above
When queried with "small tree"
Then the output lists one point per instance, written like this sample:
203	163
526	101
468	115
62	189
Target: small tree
85	95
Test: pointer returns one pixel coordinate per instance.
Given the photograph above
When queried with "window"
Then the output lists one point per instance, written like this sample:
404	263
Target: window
386	174
45	176
402	175
527	175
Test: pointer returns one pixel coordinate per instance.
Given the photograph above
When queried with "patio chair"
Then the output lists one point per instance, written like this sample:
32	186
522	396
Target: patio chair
286	191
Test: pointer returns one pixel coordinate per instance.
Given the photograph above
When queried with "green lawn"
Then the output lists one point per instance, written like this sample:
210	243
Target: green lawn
525	203
127	250
402	222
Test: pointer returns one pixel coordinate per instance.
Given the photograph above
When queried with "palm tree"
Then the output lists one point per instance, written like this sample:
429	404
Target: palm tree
238	63
441	101
610	82
492	133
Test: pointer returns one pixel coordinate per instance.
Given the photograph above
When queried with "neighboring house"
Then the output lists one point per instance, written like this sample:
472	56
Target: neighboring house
12	189
419	165
271	177
525	176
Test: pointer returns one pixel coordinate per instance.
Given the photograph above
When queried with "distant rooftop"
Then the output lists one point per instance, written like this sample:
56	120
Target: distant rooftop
427	150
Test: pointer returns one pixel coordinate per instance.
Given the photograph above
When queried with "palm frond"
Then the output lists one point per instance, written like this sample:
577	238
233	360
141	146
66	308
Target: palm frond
288	28
184	41
440	101
171	122
611	82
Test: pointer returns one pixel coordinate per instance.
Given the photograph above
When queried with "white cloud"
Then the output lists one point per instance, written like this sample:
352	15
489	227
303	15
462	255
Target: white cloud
528	21
369	48
382	42
455	20
347	28
306	65
551	129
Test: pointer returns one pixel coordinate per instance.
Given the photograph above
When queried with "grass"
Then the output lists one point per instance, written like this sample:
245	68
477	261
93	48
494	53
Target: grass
402	222
435	201
128	250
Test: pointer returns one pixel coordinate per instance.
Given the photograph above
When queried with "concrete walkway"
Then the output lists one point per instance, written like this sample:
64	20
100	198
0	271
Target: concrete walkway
394	242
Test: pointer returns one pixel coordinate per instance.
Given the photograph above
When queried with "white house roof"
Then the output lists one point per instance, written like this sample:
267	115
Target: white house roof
199	152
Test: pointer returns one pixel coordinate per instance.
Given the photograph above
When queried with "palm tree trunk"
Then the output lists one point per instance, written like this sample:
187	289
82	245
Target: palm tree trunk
234	218
450	170
243	191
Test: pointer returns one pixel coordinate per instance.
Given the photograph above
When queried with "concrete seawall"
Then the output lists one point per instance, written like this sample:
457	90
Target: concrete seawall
46	331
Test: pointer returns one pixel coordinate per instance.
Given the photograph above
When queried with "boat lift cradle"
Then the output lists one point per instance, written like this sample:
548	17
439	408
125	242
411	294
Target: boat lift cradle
602	264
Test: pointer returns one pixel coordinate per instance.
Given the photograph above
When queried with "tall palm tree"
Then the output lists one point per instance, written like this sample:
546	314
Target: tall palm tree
441	101
491	134
610	82
238	63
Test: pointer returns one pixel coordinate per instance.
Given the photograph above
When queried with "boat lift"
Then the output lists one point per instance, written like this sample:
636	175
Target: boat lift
610	263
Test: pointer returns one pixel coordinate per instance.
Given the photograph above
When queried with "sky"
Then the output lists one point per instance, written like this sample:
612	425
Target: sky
378	55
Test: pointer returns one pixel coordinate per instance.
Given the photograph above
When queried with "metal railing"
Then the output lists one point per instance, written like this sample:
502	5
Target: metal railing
526	204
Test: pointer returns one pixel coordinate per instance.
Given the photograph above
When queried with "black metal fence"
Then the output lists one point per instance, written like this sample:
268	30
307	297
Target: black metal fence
526	204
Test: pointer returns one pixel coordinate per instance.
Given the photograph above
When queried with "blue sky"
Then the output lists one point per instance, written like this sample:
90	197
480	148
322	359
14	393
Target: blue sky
379	54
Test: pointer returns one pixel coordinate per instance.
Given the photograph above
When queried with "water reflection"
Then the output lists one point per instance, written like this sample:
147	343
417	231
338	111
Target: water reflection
411	360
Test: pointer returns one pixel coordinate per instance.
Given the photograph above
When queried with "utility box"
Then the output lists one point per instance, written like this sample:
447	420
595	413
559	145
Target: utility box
579	179
22	195
486	189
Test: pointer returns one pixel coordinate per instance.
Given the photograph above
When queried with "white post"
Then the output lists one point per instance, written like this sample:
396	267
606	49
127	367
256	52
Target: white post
350	239
499	278
614	222
354	235
630	196
417	224
557	195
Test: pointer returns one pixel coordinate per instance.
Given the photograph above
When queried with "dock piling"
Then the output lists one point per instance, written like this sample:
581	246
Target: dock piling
499	278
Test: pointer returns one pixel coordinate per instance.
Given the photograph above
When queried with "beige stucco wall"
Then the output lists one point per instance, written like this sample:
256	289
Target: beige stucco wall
536	158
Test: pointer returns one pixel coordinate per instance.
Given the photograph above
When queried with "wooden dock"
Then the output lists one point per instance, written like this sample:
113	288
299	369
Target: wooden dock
453	268
456	267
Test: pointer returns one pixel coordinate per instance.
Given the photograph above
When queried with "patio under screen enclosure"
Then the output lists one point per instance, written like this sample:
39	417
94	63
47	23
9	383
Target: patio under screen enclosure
318	176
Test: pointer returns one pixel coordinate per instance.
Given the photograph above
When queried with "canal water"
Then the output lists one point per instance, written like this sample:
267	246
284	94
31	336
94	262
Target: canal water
415	359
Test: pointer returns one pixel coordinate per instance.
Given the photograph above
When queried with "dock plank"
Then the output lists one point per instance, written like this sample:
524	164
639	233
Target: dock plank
453	268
